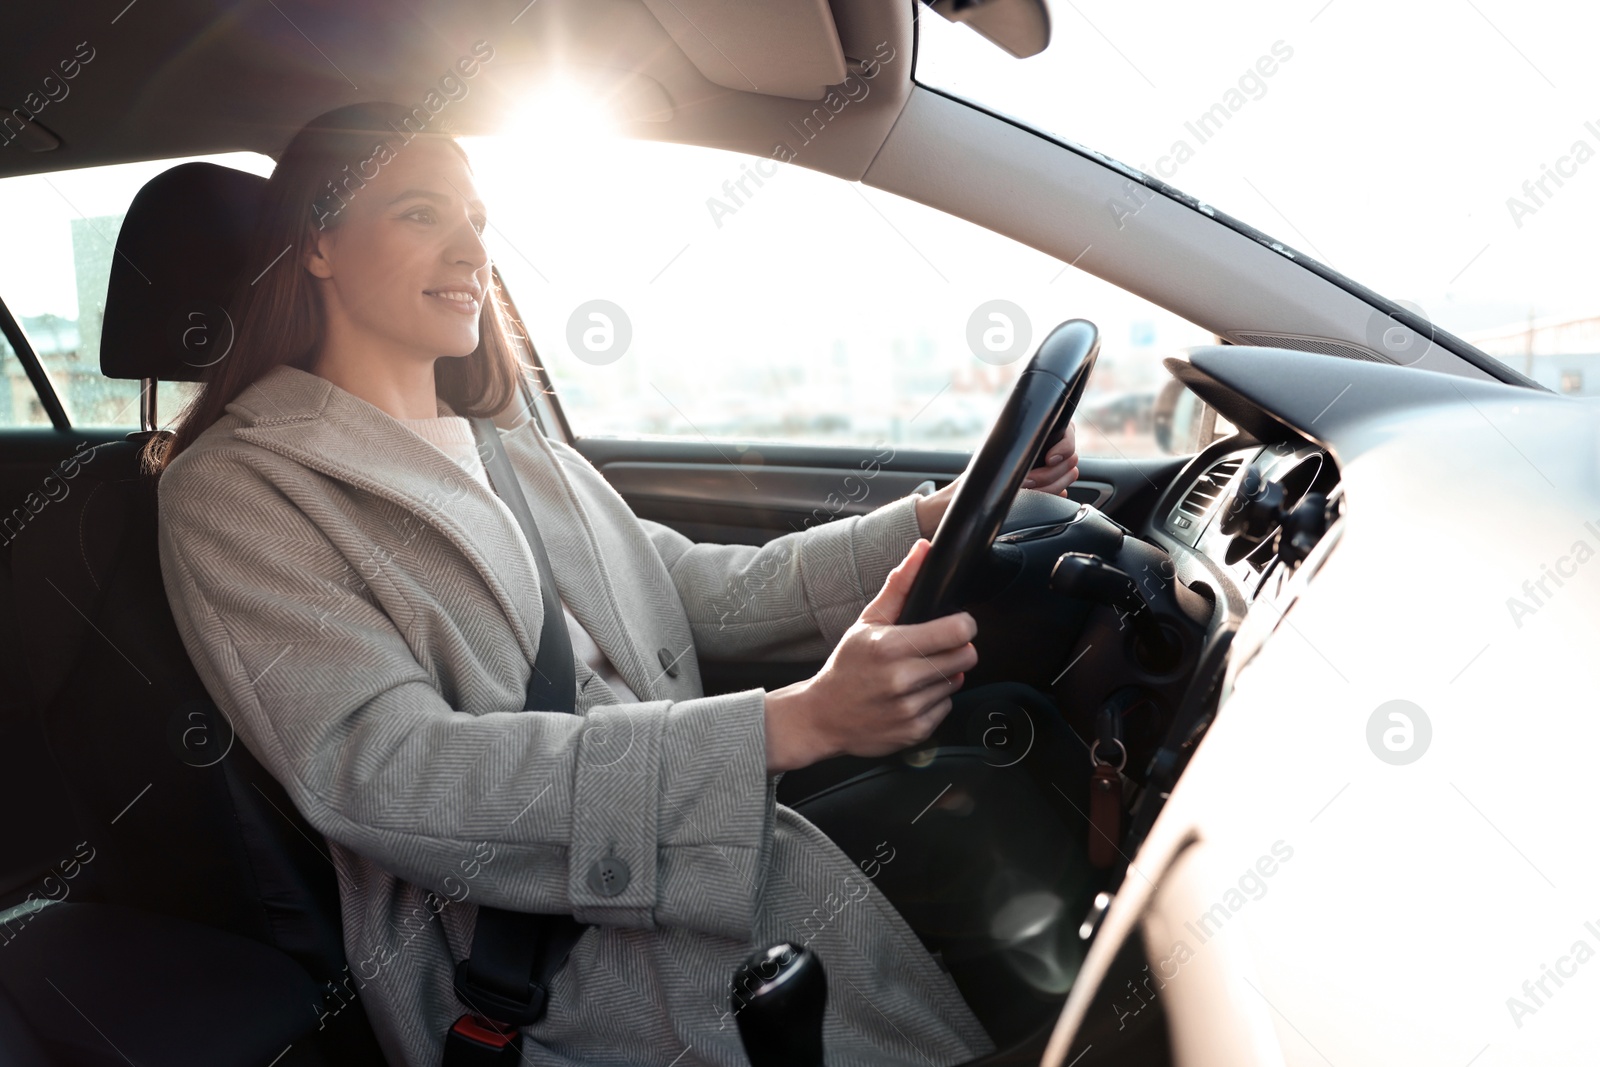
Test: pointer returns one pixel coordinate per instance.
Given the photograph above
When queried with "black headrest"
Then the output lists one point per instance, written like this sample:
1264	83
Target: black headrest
179	256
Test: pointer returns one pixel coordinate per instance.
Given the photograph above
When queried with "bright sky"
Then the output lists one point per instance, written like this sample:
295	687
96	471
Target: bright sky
1385	142
1387	145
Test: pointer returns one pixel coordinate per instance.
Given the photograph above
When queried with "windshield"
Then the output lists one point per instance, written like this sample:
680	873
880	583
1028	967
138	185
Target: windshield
1443	157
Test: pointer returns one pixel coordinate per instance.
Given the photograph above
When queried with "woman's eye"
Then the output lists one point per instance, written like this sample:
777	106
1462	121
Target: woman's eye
480	225
421	214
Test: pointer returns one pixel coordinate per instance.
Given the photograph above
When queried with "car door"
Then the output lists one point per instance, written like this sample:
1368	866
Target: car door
745	348
694	487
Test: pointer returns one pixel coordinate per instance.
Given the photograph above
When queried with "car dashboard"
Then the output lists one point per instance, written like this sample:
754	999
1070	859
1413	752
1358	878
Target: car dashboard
1249	514
1248	522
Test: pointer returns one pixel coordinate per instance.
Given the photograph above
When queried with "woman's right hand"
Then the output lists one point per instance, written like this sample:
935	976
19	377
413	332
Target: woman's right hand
884	688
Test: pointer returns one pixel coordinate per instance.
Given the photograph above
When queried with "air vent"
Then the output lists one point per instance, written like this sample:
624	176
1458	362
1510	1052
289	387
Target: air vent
1322	345
1205	493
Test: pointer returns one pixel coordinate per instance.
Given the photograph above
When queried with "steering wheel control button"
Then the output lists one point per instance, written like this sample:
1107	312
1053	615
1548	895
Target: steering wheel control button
669	662
609	875
1399	732
998	332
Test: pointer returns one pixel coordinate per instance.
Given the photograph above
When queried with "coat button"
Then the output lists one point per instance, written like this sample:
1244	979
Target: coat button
669	662
608	876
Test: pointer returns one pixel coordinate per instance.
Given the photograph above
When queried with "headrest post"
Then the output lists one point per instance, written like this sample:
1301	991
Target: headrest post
147	404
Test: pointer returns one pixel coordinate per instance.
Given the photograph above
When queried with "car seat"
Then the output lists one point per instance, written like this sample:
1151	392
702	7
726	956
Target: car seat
169	893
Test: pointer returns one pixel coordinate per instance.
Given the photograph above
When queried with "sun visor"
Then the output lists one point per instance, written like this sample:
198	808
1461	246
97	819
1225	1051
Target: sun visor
786	48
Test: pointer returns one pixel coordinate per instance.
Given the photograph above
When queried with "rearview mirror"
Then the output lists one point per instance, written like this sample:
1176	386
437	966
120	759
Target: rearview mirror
1021	27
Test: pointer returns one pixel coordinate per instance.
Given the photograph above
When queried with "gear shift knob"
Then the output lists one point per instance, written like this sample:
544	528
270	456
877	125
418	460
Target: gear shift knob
779	994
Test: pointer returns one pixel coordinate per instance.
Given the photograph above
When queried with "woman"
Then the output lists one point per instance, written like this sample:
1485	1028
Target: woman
366	610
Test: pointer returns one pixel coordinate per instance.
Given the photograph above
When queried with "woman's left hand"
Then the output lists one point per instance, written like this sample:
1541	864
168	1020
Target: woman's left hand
1059	470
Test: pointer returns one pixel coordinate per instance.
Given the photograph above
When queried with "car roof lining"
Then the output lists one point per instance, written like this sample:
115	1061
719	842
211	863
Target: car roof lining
182	80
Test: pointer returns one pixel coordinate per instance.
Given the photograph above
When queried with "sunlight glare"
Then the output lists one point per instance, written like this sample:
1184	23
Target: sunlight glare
565	110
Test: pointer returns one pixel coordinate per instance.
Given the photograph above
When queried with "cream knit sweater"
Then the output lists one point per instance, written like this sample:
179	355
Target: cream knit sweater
452	435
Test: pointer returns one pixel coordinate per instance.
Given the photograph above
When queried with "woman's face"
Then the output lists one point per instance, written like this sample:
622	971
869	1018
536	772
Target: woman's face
403	268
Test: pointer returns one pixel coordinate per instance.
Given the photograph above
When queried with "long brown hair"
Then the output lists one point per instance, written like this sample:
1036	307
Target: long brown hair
280	318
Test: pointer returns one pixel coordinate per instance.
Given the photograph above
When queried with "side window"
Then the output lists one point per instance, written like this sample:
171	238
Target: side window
687	292
61	236
19	401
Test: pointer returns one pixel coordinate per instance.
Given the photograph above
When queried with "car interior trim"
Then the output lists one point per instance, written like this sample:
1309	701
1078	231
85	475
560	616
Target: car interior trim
1189	261
34	369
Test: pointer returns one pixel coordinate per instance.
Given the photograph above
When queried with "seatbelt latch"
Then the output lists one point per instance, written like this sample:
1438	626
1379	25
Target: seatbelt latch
476	1041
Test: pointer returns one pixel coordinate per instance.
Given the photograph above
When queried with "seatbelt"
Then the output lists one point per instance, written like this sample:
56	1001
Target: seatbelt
505	980
553	685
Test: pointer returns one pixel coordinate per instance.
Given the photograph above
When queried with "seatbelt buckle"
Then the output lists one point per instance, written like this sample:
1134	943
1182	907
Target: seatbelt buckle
477	1041
524	1009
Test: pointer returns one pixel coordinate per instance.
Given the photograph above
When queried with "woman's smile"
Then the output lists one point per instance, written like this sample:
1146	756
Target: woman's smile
462	300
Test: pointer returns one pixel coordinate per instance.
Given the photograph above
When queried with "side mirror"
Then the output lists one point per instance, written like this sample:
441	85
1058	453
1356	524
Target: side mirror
1174	416
1021	27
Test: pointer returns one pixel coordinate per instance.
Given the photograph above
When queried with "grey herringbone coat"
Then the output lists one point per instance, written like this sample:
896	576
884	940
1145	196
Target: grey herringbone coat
365	613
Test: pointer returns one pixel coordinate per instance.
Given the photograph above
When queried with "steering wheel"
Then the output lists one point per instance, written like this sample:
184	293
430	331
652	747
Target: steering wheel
1045	396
